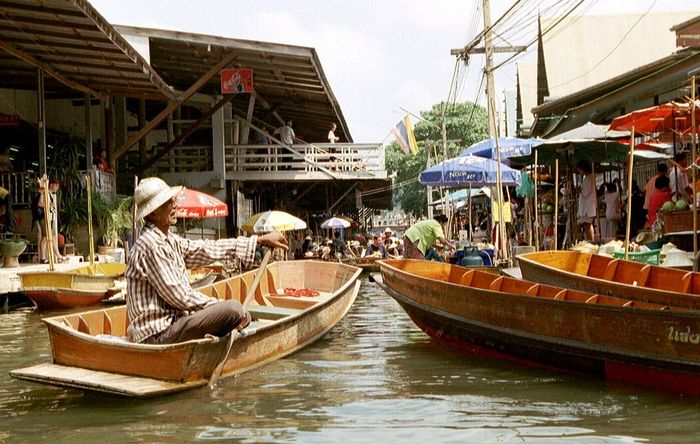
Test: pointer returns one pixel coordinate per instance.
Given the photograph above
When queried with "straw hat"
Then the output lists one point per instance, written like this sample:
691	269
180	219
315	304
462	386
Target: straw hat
307	238
151	193
388	230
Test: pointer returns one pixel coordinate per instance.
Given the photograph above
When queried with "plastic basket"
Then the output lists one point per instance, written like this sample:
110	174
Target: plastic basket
645	257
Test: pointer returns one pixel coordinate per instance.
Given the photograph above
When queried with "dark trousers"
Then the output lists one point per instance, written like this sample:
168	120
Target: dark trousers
218	319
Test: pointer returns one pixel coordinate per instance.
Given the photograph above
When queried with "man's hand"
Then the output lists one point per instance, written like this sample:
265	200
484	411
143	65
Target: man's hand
274	240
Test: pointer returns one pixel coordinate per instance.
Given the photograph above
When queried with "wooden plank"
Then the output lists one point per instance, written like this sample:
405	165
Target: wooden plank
264	312
97	381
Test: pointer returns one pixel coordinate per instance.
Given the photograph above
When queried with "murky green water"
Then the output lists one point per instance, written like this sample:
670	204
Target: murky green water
374	378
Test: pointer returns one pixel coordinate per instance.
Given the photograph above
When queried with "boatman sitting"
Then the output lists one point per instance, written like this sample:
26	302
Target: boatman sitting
419	239
162	306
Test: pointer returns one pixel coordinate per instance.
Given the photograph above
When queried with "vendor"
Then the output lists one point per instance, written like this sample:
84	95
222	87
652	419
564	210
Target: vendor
420	239
162	306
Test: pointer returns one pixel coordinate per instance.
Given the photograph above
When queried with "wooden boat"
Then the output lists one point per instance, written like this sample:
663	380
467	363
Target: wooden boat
367	264
622	339
613	277
90	353
80	287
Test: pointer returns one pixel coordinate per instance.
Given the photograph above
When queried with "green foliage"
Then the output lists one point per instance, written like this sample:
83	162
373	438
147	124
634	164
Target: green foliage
113	217
73	214
465	124
64	165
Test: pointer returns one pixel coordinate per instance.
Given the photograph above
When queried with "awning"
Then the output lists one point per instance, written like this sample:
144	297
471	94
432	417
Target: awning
289	81
77	49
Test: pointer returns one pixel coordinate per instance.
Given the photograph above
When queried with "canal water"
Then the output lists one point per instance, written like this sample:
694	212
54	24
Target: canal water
374	378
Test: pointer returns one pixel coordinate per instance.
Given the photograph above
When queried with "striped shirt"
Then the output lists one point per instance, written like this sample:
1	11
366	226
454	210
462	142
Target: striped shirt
158	287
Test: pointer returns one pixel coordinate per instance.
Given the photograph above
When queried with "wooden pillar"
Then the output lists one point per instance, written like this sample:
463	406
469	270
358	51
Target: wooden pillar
41	123
109	125
143	154
218	143
88	131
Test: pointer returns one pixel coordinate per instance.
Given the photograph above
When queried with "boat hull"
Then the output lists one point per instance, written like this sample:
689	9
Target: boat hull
81	287
567	269
85	360
641	346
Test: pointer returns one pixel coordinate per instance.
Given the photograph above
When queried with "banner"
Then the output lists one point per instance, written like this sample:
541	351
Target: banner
405	137
236	81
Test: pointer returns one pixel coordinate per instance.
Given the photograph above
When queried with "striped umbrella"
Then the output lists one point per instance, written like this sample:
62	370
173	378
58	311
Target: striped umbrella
335	222
272	220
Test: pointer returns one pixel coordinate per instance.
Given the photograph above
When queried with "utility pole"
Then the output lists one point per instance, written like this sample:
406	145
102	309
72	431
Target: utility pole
488	50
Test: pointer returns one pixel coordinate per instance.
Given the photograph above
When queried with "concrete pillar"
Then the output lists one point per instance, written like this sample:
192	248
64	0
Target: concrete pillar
218	145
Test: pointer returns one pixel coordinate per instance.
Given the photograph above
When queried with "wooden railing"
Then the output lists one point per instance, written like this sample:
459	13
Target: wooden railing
23	185
186	158
359	158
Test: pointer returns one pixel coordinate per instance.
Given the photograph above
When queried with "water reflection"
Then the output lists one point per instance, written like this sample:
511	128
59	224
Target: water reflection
375	377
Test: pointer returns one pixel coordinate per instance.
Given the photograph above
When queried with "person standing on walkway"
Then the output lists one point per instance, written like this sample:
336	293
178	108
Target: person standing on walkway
587	199
162	306
332	138
54	186
287	137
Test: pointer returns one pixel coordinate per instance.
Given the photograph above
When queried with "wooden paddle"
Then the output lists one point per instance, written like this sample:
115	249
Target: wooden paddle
216	374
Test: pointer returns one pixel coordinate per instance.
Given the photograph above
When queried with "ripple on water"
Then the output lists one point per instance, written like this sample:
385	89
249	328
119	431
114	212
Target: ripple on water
373	378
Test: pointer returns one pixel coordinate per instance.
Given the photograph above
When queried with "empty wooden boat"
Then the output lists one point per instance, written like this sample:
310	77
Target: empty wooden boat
80	287
296	303
613	277
625	340
367	264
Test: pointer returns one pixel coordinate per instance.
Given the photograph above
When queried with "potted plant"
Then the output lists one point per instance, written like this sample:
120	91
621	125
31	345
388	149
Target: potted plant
112	218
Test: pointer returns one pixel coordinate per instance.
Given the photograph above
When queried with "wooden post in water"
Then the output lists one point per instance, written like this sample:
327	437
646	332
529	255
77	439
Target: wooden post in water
556	203
630	164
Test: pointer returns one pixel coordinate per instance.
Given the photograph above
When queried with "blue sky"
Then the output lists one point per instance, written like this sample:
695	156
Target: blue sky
379	56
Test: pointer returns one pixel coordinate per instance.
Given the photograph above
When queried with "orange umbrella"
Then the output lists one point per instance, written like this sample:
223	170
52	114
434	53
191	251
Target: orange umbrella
671	116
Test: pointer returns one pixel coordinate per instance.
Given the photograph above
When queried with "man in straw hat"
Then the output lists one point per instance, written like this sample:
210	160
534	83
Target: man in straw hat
162	306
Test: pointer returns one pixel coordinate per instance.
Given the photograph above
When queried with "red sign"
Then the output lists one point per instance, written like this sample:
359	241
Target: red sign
236	81
9	121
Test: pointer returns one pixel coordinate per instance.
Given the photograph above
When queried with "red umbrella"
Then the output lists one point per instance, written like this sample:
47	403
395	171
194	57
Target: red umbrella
193	204
667	117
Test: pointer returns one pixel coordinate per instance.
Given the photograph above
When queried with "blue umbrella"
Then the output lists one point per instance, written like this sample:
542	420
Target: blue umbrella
465	170
509	147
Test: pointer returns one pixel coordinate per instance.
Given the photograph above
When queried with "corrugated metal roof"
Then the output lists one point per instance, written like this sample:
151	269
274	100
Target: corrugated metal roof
289	80
76	47
647	85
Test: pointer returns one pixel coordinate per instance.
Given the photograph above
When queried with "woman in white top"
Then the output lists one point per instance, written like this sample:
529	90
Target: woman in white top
587	199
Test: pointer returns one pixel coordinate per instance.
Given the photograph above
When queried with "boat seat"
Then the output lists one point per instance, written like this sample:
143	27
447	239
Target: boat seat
265	312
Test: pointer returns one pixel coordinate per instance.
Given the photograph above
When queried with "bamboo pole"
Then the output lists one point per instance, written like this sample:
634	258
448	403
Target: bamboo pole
693	200
556	203
537	220
91	239
47	223
630	164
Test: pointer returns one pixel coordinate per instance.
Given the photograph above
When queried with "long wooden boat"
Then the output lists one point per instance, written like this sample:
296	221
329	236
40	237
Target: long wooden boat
90	352
624	340
613	277
80	287
367	264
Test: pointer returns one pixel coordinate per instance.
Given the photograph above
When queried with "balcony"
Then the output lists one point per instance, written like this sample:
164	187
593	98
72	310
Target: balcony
313	162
